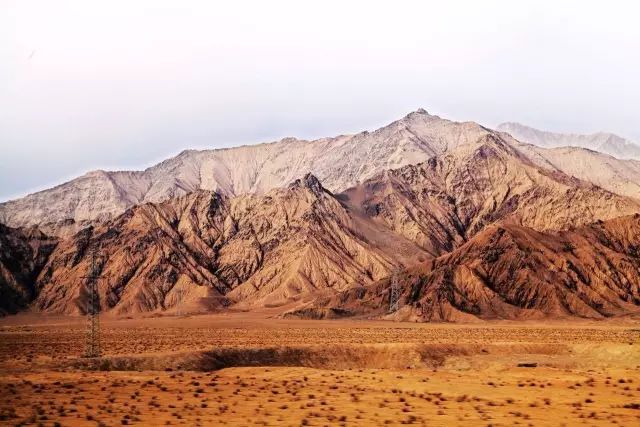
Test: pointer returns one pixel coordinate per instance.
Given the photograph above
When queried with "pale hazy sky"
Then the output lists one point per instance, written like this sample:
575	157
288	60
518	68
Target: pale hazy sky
123	84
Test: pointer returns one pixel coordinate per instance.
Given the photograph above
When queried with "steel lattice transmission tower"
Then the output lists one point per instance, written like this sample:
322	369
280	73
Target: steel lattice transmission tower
394	293
92	343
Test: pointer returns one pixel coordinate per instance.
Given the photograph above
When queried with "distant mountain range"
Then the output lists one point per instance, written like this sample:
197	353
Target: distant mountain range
603	142
477	225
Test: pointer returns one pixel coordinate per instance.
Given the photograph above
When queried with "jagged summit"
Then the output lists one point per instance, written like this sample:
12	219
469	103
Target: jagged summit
308	181
419	112
419	115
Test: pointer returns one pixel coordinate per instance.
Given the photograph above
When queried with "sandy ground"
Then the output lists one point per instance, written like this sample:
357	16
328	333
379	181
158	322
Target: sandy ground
586	373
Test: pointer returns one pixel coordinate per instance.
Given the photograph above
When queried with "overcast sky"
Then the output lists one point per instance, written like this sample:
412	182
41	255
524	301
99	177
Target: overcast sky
123	84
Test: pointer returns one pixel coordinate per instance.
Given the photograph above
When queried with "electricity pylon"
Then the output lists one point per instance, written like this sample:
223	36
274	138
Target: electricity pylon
394	293
92	343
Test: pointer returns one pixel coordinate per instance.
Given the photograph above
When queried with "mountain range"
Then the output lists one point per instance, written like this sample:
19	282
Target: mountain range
339	163
475	223
603	142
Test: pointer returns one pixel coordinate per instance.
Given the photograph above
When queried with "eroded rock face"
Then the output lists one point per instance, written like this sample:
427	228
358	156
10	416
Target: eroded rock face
443	202
205	251
23	253
302	245
471	220
512	272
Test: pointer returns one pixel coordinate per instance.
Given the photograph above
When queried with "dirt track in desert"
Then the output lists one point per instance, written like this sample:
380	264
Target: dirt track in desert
248	369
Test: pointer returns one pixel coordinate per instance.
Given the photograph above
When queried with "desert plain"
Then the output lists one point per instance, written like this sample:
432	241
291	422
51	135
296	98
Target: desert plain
255	369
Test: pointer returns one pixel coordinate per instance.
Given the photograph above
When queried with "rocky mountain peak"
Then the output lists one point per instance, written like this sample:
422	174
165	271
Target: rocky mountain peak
420	112
310	182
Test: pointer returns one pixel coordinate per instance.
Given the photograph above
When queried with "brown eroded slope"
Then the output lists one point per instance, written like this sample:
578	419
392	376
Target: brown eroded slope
514	272
204	251
23	253
443	202
299	246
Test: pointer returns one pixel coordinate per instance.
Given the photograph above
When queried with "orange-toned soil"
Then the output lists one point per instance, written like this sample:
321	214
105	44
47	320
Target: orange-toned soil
436	374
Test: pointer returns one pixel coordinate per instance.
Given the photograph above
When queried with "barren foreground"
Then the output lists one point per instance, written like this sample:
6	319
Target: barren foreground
246	369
